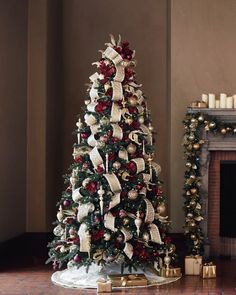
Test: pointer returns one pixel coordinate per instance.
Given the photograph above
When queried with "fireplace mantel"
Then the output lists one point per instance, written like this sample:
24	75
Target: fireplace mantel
213	142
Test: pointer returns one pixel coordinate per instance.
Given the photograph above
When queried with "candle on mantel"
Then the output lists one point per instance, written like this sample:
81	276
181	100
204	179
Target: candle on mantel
205	98
223	97
234	98
229	102
217	103
211	101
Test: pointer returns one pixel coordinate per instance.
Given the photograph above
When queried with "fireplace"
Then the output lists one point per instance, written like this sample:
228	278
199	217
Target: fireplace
218	161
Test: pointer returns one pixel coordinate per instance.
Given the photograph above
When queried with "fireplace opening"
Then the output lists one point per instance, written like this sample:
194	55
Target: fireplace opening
228	199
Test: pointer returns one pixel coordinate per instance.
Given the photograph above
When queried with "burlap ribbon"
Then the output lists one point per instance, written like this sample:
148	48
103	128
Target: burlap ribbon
155	234
93	93
96	158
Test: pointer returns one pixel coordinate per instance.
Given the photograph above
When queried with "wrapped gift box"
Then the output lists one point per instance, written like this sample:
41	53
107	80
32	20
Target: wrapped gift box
193	265
170	272
208	271
104	286
128	280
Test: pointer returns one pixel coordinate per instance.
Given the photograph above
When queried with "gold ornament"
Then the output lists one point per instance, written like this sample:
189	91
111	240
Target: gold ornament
200	118
132	100
104	121
193	191
141	119
193	120
150	127
193	176
223	131
129	121
116	165
191	137
196	146
132	194
212	125
87	102
190	215
146	237
234	130
192	203
193	237
188	165
126	221
131	148
161	208
192	223
125	176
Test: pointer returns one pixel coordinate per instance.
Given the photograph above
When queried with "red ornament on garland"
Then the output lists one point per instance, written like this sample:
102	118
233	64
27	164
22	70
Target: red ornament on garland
77	258
131	166
91	187
79	160
99	169
84	135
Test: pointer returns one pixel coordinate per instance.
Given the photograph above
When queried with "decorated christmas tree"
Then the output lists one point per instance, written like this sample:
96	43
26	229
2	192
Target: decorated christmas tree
113	208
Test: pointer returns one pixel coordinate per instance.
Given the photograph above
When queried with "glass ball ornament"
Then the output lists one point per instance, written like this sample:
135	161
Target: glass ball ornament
87	102
107	236
141	119
196	146
212	125
192	203
193	237
132	194
132	100
150	127
116	165
223	131
191	137
200	118
193	191
129	121
190	215
188	165
131	148
193	120
161	208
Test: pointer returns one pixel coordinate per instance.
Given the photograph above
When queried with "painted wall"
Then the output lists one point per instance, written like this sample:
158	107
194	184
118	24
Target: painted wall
203	46
13	97
86	27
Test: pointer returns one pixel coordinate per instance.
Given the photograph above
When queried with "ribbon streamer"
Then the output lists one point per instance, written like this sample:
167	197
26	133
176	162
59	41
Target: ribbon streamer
150	212
92	141
113	55
96	158
95	129
84	210
140	164
115	200
128	250
76	195
117	131
117	93
93	93
113	182
155	234
147	132
157	168
84	241
120	73
133	135
127	234
115	113
109	222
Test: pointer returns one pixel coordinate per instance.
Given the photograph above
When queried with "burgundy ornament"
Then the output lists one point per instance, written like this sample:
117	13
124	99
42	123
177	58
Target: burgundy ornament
77	258
99	169
84	135
66	203
79	160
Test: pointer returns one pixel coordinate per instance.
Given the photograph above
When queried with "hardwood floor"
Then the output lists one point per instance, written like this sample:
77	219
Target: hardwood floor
35	280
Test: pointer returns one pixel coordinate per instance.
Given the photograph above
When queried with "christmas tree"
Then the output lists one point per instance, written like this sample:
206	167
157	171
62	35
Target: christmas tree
113	209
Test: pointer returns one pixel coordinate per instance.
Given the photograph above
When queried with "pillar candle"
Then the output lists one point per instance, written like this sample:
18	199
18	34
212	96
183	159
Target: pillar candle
211	101
234	98
217	103
205	98
223	97
229	102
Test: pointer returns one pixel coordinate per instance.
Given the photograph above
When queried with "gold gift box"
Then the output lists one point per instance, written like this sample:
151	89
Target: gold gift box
171	272
193	265
104	286
128	280
198	104
208	271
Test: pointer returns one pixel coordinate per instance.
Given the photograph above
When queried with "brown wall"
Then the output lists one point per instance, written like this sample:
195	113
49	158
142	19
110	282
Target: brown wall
13	97
203	46
86	27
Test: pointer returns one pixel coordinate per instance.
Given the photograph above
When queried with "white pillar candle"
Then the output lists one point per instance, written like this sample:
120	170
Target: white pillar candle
234	98
205	98
223	97
217	103
211	101
229	102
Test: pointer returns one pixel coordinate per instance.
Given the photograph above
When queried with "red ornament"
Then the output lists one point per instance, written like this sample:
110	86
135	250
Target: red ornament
111	157
131	166
135	125
132	110
91	187
139	186
84	135
109	133
99	169
102	106
77	258
167	240
98	235
76	241
79	160
109	92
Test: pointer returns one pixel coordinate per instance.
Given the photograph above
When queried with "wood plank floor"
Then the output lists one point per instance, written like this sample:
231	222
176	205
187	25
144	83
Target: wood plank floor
35	280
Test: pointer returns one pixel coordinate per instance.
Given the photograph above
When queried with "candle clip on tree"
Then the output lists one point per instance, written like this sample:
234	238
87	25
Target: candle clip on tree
113	209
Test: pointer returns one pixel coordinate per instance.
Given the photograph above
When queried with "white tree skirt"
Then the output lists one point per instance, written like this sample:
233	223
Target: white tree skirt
78	278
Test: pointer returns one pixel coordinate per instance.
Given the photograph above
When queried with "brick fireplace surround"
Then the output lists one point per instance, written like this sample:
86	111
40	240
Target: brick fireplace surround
215	149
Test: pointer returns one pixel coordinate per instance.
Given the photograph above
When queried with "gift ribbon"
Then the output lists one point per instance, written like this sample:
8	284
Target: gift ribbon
210	269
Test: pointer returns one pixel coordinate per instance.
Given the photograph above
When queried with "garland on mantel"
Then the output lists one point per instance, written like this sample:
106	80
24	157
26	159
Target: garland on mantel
194	124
